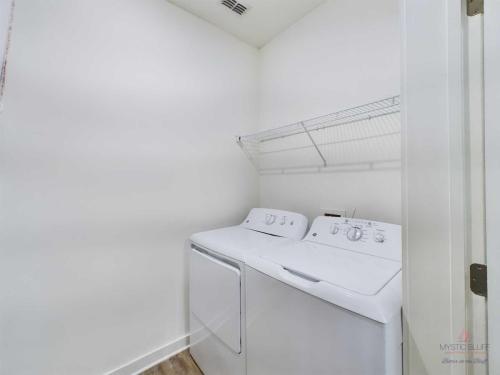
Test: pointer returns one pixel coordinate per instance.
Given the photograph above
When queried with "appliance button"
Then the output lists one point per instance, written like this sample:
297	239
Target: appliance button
379	237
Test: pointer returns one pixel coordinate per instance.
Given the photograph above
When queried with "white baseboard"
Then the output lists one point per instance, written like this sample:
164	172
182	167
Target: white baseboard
146	361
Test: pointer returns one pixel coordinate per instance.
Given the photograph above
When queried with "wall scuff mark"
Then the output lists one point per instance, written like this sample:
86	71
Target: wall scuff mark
3	72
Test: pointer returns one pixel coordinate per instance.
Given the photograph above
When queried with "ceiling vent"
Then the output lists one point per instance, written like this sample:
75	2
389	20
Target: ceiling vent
235	6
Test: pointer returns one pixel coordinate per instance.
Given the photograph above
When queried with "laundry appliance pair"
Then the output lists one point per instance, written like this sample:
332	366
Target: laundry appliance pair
268	299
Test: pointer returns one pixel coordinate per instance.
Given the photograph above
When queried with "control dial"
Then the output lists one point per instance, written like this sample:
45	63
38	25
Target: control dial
379	237
334	229
270	219
354	233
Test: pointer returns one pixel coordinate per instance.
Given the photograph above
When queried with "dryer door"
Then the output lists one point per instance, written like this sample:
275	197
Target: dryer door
215	297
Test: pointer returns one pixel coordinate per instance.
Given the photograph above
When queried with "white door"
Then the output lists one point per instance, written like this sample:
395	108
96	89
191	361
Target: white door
492	174
443	190
215	297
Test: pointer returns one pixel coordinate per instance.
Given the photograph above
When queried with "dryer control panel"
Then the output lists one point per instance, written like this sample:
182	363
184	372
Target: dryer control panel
364	236
277	222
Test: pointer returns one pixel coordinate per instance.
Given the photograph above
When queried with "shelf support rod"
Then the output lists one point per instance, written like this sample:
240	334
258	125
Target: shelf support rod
249	156
314	144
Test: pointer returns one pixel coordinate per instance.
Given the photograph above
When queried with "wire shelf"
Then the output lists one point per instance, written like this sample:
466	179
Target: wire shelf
365	134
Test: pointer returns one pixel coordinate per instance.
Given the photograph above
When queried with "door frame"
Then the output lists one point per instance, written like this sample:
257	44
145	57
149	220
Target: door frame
434	184
492	174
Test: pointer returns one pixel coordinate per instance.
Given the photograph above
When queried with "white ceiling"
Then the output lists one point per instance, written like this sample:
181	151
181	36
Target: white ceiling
263	20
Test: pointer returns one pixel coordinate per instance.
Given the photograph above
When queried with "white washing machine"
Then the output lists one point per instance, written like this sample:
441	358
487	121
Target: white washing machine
330	304
217	285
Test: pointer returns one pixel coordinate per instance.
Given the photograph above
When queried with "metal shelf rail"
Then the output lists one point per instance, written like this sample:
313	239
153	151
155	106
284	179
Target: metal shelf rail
365	135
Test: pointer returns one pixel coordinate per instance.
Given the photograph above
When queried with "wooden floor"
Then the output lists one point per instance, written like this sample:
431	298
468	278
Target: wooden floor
181	364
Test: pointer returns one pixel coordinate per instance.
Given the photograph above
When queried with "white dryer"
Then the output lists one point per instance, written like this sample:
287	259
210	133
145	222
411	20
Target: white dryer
330	304
217	285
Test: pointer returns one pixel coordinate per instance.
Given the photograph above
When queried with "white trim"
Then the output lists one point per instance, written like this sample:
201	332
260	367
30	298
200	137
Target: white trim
151	359
492	174
459	214
434	191
406	305
476	305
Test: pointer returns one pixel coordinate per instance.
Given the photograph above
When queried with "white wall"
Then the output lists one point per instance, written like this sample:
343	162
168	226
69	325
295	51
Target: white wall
342	54
116	143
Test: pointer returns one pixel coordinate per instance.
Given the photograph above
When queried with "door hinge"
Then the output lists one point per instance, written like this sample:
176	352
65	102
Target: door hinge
479	279
475	7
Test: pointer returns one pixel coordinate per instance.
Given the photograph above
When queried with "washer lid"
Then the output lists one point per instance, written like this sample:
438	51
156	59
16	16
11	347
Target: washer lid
356	272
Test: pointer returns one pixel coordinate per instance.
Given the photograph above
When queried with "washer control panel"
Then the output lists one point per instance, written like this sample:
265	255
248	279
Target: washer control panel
277	222
365	236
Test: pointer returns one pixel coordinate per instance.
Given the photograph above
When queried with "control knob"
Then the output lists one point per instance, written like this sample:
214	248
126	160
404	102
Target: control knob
334	229
379	237
354	233
270	219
